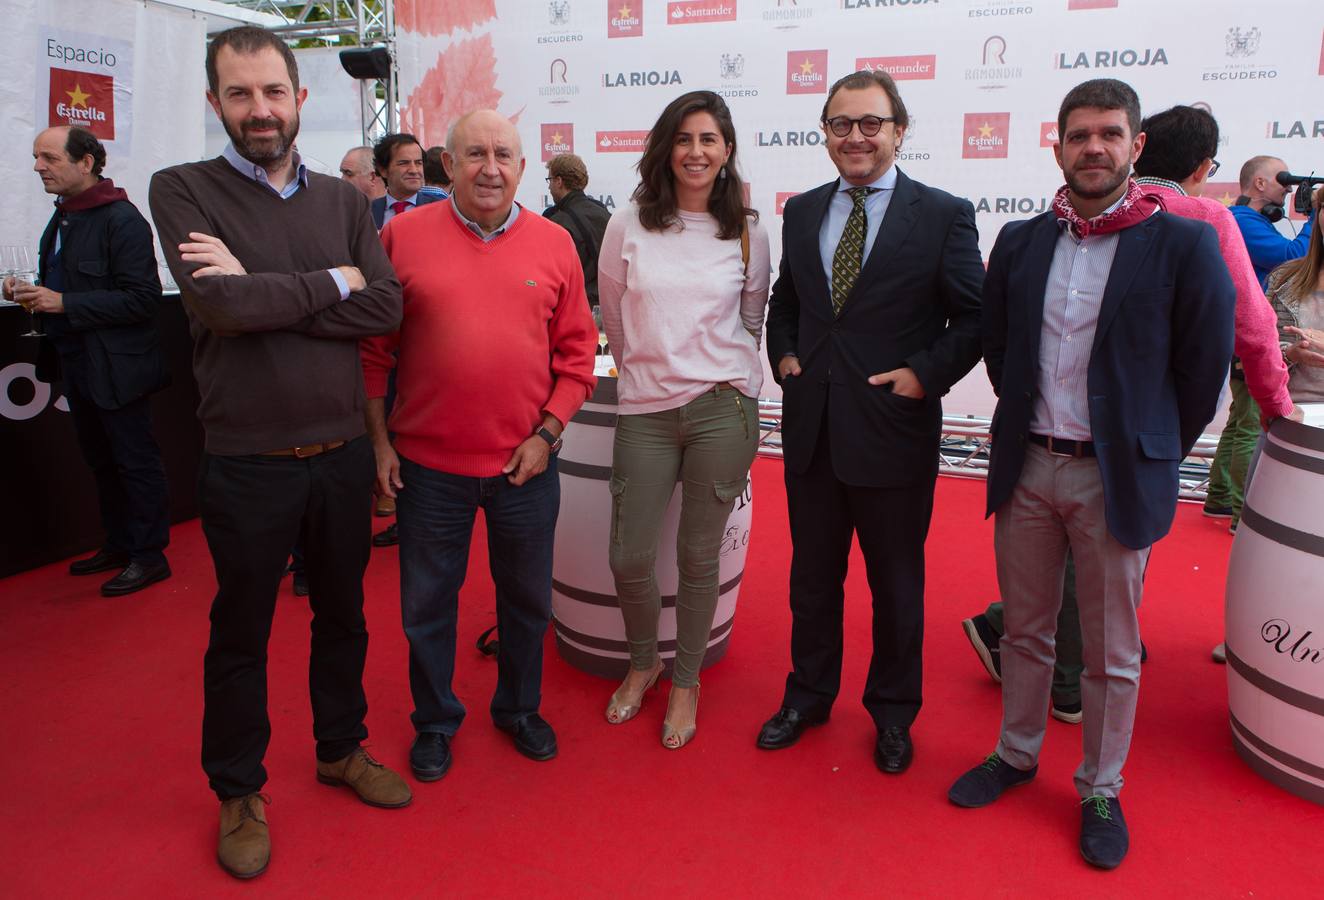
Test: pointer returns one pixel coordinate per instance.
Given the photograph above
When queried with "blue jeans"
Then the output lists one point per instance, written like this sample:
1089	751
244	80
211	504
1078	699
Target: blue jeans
435	512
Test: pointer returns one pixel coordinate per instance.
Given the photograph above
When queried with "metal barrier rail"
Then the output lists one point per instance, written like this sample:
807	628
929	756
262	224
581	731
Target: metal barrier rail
964	445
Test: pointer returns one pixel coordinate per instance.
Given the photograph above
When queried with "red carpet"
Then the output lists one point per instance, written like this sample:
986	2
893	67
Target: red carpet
101	711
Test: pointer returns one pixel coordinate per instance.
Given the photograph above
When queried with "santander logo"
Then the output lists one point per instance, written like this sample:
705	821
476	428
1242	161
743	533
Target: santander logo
621	141
693	12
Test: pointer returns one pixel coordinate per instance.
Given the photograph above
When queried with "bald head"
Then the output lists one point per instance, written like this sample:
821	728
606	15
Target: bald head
357	169
486	161
1259	180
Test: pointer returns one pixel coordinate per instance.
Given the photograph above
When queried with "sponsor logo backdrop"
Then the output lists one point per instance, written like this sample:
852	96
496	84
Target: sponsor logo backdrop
131	71
982	80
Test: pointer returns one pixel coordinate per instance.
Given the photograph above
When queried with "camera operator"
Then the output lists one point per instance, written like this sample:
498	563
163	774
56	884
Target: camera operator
1260	205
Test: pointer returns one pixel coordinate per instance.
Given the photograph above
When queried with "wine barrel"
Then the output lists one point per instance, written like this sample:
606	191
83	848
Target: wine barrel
590	634
1275	611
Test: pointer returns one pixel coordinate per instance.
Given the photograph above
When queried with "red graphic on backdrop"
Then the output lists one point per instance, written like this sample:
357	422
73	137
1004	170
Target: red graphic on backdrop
691	12
625	18
82	98
1225	192
1091	4
464	79
1048	134
1321	56
431	17
985	135
621	141
557	138
901	68
782	197
806	72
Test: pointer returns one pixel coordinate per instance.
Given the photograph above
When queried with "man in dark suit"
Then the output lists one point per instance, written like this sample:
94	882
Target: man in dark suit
98	302
1107	333
398	159
874	316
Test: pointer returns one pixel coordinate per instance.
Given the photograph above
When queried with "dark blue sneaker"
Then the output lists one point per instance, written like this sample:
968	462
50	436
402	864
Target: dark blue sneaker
985	782
1103	836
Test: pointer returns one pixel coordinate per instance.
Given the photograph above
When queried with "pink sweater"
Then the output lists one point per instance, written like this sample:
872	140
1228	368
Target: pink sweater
494	334
1256	324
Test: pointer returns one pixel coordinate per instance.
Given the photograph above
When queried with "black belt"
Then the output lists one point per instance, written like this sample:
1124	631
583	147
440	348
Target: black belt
1062	446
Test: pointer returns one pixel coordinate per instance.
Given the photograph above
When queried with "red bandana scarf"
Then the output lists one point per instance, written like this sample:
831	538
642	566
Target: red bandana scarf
1135	207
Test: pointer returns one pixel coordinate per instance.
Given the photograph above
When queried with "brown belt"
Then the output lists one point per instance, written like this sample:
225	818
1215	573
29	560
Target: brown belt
306	450
723	386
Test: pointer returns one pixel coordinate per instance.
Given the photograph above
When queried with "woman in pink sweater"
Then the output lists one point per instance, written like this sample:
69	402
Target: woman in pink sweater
683	282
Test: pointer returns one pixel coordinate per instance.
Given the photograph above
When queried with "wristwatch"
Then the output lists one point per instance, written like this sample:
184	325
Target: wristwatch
553	443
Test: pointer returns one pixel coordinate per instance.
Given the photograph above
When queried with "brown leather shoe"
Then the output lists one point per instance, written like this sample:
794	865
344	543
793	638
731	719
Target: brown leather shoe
245	845
385	506
375	784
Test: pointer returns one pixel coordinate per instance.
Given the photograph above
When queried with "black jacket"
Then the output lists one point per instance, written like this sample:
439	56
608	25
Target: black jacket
586	220
916	304
111	292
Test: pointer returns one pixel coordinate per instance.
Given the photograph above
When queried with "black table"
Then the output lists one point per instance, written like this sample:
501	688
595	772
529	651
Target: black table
48	493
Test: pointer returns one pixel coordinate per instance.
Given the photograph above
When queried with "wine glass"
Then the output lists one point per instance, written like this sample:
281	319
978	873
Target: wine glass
6	267
25	270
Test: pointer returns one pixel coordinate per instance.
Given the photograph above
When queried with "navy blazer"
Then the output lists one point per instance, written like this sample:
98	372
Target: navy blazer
112	292
915	304
1160	356
379	207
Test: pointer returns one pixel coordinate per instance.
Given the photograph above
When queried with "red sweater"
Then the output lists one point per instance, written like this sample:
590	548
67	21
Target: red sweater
494	335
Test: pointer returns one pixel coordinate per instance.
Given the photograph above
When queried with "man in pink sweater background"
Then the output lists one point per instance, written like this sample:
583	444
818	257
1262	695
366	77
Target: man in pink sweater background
494	356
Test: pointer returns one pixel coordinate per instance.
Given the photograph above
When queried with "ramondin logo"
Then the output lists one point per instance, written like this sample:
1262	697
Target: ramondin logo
993	73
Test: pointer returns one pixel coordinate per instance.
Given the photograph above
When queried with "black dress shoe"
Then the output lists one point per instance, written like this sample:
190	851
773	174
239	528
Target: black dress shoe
430	757
387	537
533	737
1103	836
985	782
135	577
785	728
893	750
101	561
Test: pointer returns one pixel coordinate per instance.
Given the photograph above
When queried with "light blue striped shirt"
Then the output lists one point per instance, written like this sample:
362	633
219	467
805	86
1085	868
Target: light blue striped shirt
1076	280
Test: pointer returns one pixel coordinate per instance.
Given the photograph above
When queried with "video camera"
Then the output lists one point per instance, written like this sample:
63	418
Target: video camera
1303	197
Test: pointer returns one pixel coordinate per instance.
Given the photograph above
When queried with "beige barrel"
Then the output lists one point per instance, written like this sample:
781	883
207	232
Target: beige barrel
586	619
1275	611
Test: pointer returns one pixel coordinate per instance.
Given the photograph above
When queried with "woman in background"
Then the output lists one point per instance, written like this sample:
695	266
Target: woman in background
683	284
1296	290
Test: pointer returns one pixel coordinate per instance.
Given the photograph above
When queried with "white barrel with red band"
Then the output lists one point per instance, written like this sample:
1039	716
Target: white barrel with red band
590	634
1275	611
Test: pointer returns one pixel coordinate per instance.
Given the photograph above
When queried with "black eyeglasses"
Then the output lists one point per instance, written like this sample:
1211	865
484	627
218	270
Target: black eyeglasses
1213	167
869	125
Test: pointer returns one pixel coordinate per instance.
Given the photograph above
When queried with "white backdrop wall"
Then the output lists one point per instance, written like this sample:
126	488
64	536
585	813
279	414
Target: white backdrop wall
982	80
132	70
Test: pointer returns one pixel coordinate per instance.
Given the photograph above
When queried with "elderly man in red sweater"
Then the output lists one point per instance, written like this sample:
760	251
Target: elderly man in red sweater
494	356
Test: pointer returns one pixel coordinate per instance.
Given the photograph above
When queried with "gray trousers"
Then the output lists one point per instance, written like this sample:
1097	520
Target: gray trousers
1058	505
1067	665
708	445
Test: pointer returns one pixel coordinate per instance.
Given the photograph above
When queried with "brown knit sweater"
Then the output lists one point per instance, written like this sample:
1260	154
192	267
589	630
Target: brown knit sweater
275	351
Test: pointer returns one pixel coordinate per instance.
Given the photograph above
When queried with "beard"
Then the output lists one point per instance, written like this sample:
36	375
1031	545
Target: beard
1115	179
264	150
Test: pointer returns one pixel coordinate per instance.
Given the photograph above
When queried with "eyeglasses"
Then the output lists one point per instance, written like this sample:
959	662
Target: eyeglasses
1213	167
869	125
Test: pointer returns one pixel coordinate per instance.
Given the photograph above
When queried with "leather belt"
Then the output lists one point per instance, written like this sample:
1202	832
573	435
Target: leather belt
1062	446
306	451
722	386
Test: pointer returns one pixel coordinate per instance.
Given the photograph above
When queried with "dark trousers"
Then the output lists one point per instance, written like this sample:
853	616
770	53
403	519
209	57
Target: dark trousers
891	525
126	464
253	508
435	511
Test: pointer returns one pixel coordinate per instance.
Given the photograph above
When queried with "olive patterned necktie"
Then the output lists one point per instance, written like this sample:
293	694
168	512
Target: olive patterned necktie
849	255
